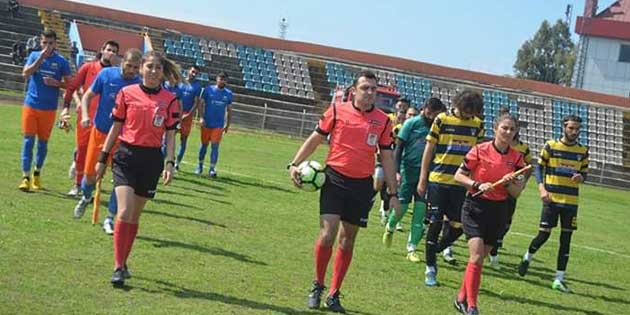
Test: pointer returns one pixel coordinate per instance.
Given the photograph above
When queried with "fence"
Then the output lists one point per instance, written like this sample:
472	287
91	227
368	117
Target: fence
293	123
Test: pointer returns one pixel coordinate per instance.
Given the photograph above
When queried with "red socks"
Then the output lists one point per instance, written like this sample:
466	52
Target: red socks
124	235
342	263
322	257
471	285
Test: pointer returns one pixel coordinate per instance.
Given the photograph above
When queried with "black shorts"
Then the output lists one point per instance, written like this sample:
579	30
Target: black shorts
445	200
511	208
349	198
484	218
138	167
551	212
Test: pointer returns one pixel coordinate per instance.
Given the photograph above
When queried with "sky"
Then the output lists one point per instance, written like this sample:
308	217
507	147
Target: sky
474	35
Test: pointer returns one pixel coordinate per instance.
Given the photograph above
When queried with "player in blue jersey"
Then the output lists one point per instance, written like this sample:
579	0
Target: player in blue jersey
216	114
45	71
189	93
107	84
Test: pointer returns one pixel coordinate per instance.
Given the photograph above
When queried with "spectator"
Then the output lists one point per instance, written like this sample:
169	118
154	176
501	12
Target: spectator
32	45
18	53
13	6
74	52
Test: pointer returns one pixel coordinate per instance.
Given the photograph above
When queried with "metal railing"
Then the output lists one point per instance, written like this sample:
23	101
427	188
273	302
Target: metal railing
293	123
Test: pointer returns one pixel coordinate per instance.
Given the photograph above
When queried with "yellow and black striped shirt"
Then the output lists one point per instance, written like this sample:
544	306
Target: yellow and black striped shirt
453	137
560	162
524	149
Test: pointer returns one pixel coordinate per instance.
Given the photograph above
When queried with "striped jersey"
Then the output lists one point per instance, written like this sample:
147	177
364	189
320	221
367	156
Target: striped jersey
560	162
524	149
453	137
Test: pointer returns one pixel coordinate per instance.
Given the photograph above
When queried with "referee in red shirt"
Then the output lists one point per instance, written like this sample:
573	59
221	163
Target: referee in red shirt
484	217
142	115
357	131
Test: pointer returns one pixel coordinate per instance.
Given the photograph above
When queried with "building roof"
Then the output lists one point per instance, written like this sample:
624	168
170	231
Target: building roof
336	53
617	11
92	38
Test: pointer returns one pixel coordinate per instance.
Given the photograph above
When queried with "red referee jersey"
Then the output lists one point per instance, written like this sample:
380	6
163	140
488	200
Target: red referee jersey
146	114
84	78
355	137
487	164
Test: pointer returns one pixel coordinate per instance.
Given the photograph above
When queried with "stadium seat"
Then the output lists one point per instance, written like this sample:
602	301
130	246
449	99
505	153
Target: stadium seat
223	52
257	86
266	88
170	51
203	42
212	44
214	51
231	47
222	45
249	85
188	53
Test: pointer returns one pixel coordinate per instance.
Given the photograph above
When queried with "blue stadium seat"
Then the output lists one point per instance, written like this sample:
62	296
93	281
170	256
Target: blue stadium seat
266	88
200	63
179	52
255	78
249	85
275	89
188	53
257	86
170	51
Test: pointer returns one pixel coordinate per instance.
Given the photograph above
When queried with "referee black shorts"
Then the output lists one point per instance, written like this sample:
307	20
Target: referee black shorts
484	218
138	167
349	198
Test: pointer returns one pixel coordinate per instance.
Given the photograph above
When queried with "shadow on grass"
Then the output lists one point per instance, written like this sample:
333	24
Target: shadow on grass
185	293
173	203
175	216
254	183
208	250
175	193
198	181
552	307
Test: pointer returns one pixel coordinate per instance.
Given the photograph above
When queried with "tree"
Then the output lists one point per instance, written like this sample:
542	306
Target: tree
549	56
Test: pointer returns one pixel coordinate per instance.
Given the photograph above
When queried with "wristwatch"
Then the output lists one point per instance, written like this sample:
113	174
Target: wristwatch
291	164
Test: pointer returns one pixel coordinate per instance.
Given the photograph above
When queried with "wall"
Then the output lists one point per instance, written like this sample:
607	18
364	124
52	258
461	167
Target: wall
602	71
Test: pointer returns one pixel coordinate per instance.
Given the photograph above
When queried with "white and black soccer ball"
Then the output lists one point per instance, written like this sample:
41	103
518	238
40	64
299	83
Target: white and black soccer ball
312	175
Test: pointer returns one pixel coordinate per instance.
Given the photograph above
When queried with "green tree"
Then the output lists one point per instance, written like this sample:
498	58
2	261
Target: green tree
549	56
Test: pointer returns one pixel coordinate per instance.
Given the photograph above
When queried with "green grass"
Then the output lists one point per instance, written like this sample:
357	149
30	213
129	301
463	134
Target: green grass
242	244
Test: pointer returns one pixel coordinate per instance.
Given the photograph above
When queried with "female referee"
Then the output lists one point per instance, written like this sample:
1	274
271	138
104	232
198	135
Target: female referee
484	217
142	115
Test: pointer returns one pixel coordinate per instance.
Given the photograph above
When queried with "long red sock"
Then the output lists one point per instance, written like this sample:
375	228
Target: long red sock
342	263
473	282
322	257
121	239
462	290
131	236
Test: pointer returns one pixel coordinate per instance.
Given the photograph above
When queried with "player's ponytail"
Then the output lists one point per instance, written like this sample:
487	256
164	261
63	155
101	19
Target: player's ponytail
171	70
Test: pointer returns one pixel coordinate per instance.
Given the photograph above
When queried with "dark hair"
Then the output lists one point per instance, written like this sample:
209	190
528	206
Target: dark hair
434	104
504	115
196	67
110	42
48	33
223	75
468	100
404	100
571	117
504	110
364	74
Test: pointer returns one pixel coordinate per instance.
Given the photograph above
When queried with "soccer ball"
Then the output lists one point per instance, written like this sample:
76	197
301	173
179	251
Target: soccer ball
311	175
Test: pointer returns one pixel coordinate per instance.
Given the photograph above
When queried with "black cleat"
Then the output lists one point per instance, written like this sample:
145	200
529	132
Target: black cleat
460	306
334	304
472	311
522	268
125	272
315	297
118	279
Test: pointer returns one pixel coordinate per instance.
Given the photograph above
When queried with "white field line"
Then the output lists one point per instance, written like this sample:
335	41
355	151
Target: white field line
595	249
247	176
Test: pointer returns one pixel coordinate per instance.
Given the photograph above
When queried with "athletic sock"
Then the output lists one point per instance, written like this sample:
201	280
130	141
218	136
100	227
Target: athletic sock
528	256
343	257
452	234
87	189
42	151
202	152
132	232
560	275
113	204
121	235
393	220
564	249
417	224
214	154
461	296
322	257
431	244
27	153
473	283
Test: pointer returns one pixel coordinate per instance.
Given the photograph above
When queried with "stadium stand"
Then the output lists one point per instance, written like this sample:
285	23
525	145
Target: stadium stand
297	80
11	29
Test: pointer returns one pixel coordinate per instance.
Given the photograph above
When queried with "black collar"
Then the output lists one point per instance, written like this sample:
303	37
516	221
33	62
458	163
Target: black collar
104	65
498	150
150	90
367	111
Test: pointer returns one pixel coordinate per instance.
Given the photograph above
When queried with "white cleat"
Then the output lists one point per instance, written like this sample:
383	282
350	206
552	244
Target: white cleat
79	209
108	225
74	191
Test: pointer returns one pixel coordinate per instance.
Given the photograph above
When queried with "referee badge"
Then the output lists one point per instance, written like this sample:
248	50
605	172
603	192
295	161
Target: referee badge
158	118
372	139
